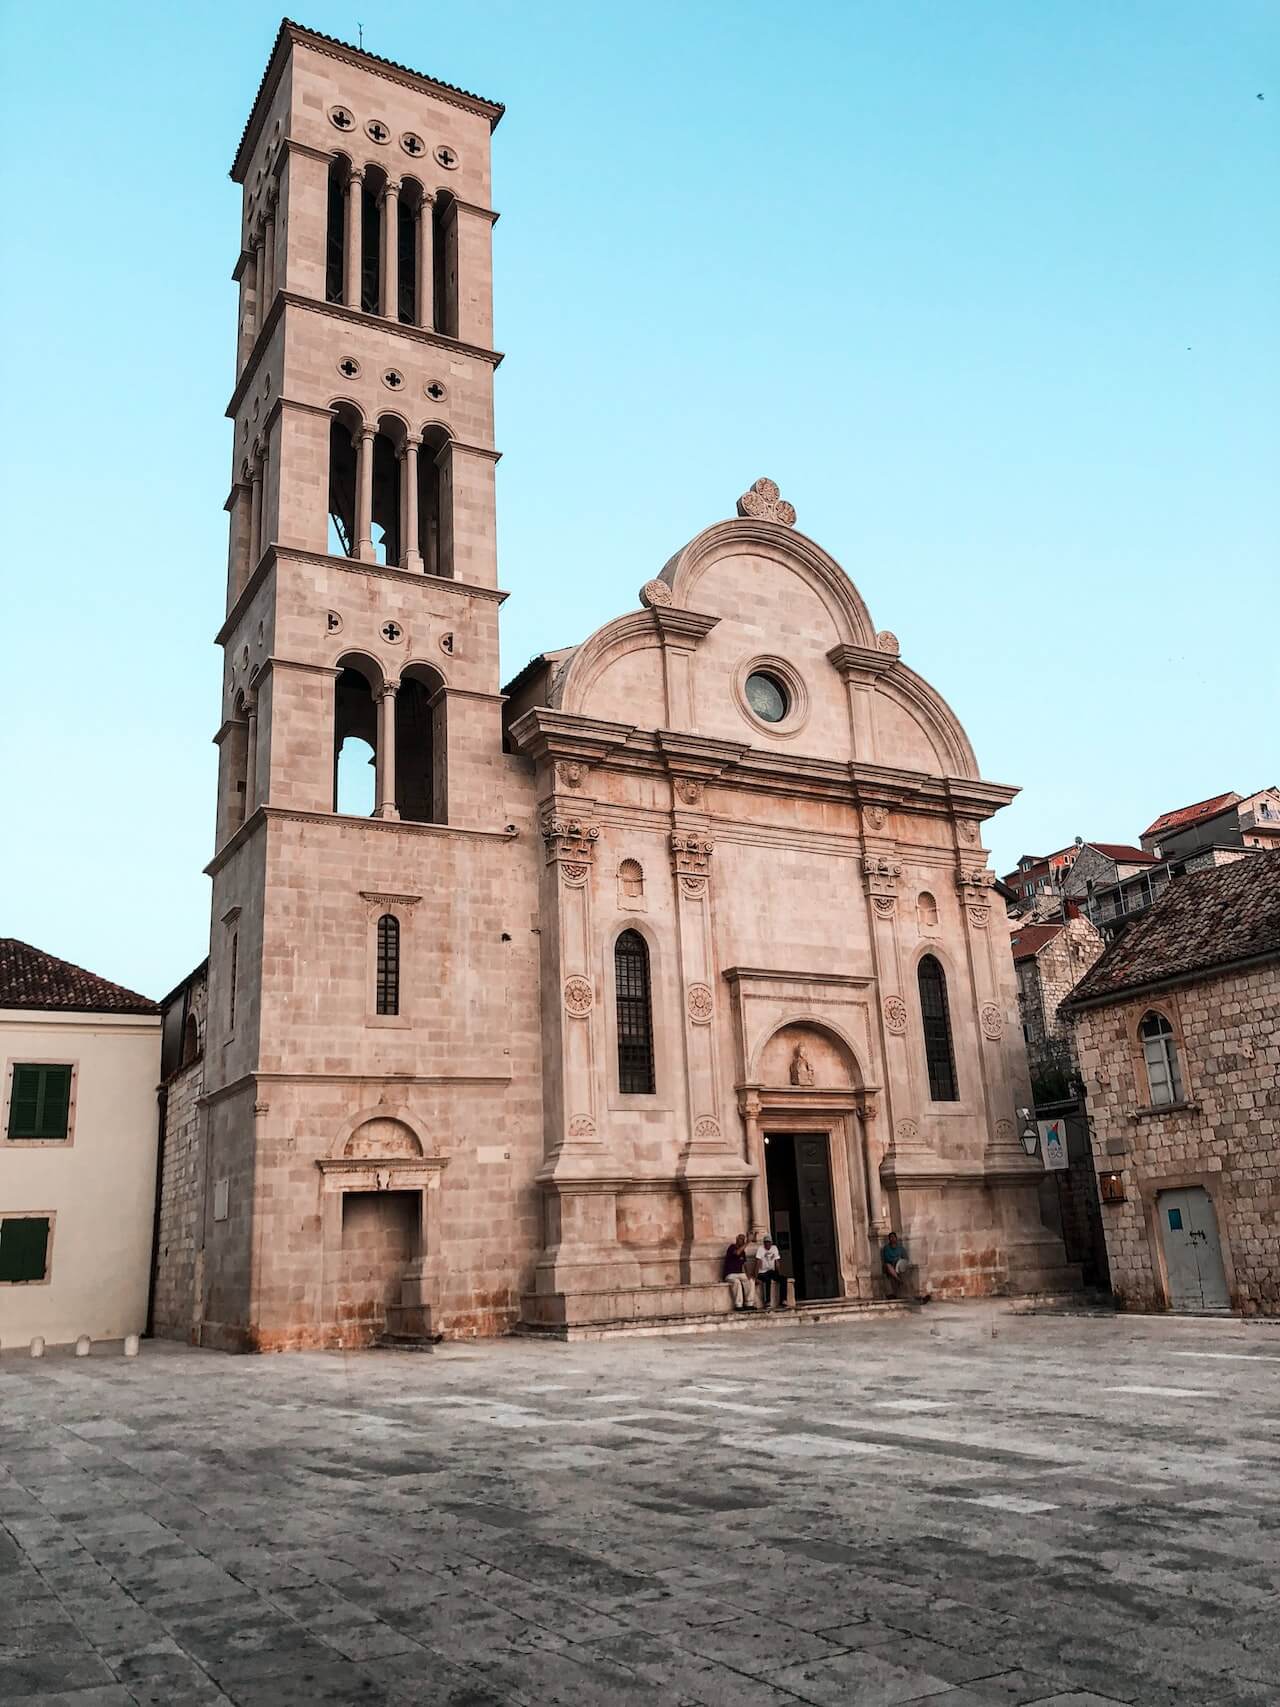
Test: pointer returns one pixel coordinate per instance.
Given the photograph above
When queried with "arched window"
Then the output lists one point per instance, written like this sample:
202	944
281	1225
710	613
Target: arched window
355	742
336	233
422	747
935	1018
1160	1051
435	503
926	911
444	249
190	1041
635	1014
388	964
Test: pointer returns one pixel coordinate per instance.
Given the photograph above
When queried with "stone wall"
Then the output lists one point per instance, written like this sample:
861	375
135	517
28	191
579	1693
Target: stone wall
181	1183
1225	1137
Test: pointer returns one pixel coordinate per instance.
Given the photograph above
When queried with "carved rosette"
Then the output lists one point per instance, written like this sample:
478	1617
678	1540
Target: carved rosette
706	1127
578	997
582	1126
572	842
691	855
992	1021
700	1004
764	503
887	641
655	594
895	1015
907	1132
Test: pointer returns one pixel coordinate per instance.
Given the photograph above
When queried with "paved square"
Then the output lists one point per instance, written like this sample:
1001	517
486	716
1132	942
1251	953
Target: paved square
963	1507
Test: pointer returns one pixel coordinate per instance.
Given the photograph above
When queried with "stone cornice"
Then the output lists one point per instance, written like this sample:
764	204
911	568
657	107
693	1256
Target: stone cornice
863	662
352	317
249	1081
267	815
281	403
771	975
676	624
544	733
282	555
699	755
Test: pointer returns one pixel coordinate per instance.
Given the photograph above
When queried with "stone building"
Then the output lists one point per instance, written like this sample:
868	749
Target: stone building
1178	1033
1226	821
689	928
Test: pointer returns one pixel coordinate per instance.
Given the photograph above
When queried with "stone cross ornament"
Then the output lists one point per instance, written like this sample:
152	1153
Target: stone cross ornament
764	504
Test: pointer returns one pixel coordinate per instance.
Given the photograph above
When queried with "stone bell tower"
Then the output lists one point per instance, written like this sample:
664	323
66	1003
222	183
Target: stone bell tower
361	620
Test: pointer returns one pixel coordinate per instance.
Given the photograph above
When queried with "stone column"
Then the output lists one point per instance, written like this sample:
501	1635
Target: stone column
755	1159
364	494
410	556
255	515
255	249
251	755
998	1094
355	237
881	872
423	308
269	251
390	204
385	790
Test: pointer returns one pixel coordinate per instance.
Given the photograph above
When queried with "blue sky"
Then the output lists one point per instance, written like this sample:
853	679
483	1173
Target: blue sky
989	289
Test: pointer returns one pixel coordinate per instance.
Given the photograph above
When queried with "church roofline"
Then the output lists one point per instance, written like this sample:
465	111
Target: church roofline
290	35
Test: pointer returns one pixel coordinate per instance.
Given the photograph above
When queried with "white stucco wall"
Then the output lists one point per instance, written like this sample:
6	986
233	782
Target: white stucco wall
99	1186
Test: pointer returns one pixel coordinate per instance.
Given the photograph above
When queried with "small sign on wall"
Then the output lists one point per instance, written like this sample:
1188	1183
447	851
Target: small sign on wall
1053	1142
221	1199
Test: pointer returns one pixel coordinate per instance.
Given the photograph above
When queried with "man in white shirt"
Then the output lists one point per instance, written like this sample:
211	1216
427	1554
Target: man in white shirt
769	1271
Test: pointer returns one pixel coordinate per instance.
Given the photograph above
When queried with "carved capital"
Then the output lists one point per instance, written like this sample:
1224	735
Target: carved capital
691	855
974	884
569	839
881	874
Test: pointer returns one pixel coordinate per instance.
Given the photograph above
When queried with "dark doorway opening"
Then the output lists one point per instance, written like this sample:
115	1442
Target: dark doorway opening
802	1217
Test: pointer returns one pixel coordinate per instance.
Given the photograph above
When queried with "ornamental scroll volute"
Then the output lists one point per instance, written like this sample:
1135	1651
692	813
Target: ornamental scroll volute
975	886
881	874
691	862
571	845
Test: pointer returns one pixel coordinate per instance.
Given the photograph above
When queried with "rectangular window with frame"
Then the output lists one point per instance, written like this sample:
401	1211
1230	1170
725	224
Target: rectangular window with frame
40	1101
24	1249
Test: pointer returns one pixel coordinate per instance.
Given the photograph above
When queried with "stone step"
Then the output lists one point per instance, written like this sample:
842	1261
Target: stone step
793	1316
407	1342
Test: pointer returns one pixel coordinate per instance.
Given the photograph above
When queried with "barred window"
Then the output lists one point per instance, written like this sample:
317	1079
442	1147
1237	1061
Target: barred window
935	1018
388	964
635	1014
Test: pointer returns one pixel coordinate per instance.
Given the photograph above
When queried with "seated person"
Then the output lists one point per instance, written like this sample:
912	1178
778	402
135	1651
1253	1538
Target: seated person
893	1257
769	1271
742	1293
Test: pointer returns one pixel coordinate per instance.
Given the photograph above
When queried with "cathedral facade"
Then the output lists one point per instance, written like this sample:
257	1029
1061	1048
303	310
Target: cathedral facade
688	929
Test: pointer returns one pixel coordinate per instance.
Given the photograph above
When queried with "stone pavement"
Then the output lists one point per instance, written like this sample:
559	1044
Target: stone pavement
963	1507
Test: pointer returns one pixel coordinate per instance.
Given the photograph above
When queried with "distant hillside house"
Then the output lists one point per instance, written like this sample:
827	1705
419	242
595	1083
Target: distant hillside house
77	1150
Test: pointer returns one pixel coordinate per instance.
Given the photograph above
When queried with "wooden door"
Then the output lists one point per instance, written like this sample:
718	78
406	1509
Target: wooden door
821	1277
1192	1252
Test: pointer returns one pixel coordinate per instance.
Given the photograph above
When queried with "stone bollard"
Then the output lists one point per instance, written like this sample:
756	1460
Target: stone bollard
37	1346
83	1345
132	1345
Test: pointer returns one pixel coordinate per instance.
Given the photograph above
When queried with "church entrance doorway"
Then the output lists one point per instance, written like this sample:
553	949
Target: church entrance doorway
801	1211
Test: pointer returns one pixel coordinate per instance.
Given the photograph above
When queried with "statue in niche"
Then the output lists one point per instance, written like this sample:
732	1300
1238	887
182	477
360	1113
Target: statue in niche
801	1066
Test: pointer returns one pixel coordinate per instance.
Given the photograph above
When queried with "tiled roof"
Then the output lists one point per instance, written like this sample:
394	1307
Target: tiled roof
300	32
1203	921
30	978
1125	855
1027	942
1190	814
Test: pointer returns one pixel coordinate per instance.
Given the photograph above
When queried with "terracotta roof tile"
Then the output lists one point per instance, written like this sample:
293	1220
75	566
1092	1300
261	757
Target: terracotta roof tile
1124	854
1203	921
1027	942
30	978
1190	814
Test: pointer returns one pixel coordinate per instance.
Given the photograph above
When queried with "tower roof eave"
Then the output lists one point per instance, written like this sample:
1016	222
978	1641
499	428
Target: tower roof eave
290	34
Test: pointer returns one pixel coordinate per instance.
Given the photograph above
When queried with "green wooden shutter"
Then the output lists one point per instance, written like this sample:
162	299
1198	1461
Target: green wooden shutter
24	1102
24	1247
56	1103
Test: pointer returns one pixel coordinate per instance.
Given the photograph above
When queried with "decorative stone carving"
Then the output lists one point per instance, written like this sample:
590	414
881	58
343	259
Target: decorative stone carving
801	1066
655	594
570	773
706	1127
763	503
967	831
569	839
578	996
881	873
694	887
867	1107
701	1004
689	789
1004	1132
884	906
887	641
974	883
574	873
582	1126
992	1021
907	1132
895	1015
979	917
691	855
875	816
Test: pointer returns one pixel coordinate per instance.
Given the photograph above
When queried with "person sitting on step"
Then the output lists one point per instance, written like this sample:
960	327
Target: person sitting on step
769	1271
742	1292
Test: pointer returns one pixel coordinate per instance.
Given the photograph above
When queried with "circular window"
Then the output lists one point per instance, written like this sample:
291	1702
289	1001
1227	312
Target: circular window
767	696
446	157
341	118
412	143
377	132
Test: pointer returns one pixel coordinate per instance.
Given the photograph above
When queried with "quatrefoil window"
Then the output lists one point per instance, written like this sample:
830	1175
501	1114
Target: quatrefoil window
340	118
412	144
391	632
436	392
393	379
446	157
349	367
376	131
